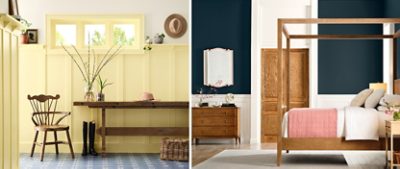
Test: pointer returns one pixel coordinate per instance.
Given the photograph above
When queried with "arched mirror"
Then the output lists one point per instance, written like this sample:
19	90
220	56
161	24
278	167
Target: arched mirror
218	67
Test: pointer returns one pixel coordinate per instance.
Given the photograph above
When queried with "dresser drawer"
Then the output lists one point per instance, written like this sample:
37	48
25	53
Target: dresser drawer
209	112
214	131
214	121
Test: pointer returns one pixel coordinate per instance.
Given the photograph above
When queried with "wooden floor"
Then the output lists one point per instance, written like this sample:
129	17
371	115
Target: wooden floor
203	152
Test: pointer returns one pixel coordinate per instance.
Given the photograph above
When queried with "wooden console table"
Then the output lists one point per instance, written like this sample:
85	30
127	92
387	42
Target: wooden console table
135	131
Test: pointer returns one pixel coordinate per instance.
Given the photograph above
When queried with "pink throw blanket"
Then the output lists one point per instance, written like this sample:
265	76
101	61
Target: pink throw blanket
312	122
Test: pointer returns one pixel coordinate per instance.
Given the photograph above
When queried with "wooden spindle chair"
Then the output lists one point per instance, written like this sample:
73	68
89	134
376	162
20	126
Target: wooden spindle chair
47	119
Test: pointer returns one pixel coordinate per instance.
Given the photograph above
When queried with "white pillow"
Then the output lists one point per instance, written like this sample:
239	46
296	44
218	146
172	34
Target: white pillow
373	99
359	100
391	99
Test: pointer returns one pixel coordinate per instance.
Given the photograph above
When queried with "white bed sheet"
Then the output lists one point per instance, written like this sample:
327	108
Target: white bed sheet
340	123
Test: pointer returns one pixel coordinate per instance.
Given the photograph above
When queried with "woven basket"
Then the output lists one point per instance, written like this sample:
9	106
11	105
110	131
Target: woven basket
174	149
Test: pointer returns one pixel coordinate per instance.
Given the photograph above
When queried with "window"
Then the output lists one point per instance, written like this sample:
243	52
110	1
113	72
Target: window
98	31
95	34
124	34
65	34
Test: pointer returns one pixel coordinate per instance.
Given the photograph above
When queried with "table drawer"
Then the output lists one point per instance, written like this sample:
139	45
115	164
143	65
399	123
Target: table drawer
209	112
214	121
214	131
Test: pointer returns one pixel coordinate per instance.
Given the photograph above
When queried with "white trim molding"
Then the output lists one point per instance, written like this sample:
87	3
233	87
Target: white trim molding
387	58
255	114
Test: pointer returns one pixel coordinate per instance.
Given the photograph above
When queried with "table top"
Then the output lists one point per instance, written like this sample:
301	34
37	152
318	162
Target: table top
219	107
392	122
135	104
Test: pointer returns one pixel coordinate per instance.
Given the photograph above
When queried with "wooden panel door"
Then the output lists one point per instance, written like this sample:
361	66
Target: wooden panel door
299	88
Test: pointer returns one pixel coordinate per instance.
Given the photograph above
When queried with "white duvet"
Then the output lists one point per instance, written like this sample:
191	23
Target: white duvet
355	123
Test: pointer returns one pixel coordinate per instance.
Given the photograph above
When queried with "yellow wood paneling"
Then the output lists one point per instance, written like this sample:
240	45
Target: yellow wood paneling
14	103
162	71
9	37
1	99
7	100
32	63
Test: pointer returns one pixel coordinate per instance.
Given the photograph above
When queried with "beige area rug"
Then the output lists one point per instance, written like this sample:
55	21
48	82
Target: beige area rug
262	159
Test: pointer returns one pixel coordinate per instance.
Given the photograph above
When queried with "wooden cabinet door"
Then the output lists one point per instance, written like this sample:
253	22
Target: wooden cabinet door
299	88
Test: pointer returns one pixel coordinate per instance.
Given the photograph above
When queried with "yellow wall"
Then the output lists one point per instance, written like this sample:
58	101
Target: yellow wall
163	71
9	40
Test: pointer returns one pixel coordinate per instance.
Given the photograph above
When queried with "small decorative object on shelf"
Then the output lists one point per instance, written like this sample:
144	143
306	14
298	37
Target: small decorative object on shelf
393	109
147	96
203	94
24	36
229	98
90	65
159	38
149	41
32	36
102	84
13	8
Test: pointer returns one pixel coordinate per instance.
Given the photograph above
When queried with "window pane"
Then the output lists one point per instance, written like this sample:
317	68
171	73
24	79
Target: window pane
65	34
124	34
96	34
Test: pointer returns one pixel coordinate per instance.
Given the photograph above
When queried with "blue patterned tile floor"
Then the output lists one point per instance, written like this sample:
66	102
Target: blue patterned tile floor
111	161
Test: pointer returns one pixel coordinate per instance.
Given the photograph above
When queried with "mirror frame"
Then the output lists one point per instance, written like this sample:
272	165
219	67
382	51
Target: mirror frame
208	54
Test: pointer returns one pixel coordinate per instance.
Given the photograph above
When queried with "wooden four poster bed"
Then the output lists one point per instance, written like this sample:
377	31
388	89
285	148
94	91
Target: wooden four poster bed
287	144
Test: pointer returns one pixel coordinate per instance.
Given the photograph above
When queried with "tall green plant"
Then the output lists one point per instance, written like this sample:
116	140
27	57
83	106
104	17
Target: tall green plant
102	83
90	65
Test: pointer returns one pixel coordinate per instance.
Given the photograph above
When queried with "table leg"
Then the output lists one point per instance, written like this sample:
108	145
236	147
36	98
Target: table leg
386	149
103	131
391	150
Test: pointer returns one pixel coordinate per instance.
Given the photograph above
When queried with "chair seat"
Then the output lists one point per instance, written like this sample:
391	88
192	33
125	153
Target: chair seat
51	127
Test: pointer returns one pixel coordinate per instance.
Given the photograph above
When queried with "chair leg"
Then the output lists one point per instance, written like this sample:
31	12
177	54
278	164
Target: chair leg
55	140
34	143
70	145
43	145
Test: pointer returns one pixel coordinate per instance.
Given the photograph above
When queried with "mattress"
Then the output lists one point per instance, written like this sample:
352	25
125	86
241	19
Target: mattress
341	123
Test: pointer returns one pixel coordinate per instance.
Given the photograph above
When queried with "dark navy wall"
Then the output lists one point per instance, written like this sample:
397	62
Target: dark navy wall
392	10
348	66
225	24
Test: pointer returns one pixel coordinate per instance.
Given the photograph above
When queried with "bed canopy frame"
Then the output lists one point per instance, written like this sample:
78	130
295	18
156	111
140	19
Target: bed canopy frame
284	60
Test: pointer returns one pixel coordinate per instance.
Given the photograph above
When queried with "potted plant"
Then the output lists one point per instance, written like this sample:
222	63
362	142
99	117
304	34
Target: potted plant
203	95
149	41
159	38
394	110
24	36
90	66
103	84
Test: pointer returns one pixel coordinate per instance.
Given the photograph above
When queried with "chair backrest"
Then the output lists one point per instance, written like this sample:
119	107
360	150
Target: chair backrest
44	108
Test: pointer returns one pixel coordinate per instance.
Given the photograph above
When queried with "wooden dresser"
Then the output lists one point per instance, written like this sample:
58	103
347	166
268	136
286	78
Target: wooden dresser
215	122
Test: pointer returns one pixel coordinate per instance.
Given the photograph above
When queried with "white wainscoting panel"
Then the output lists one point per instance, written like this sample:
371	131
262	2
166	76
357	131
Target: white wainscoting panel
243	101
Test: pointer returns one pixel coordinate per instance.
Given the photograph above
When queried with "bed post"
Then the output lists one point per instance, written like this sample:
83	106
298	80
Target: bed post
281	95
279	138
394	59
287	78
